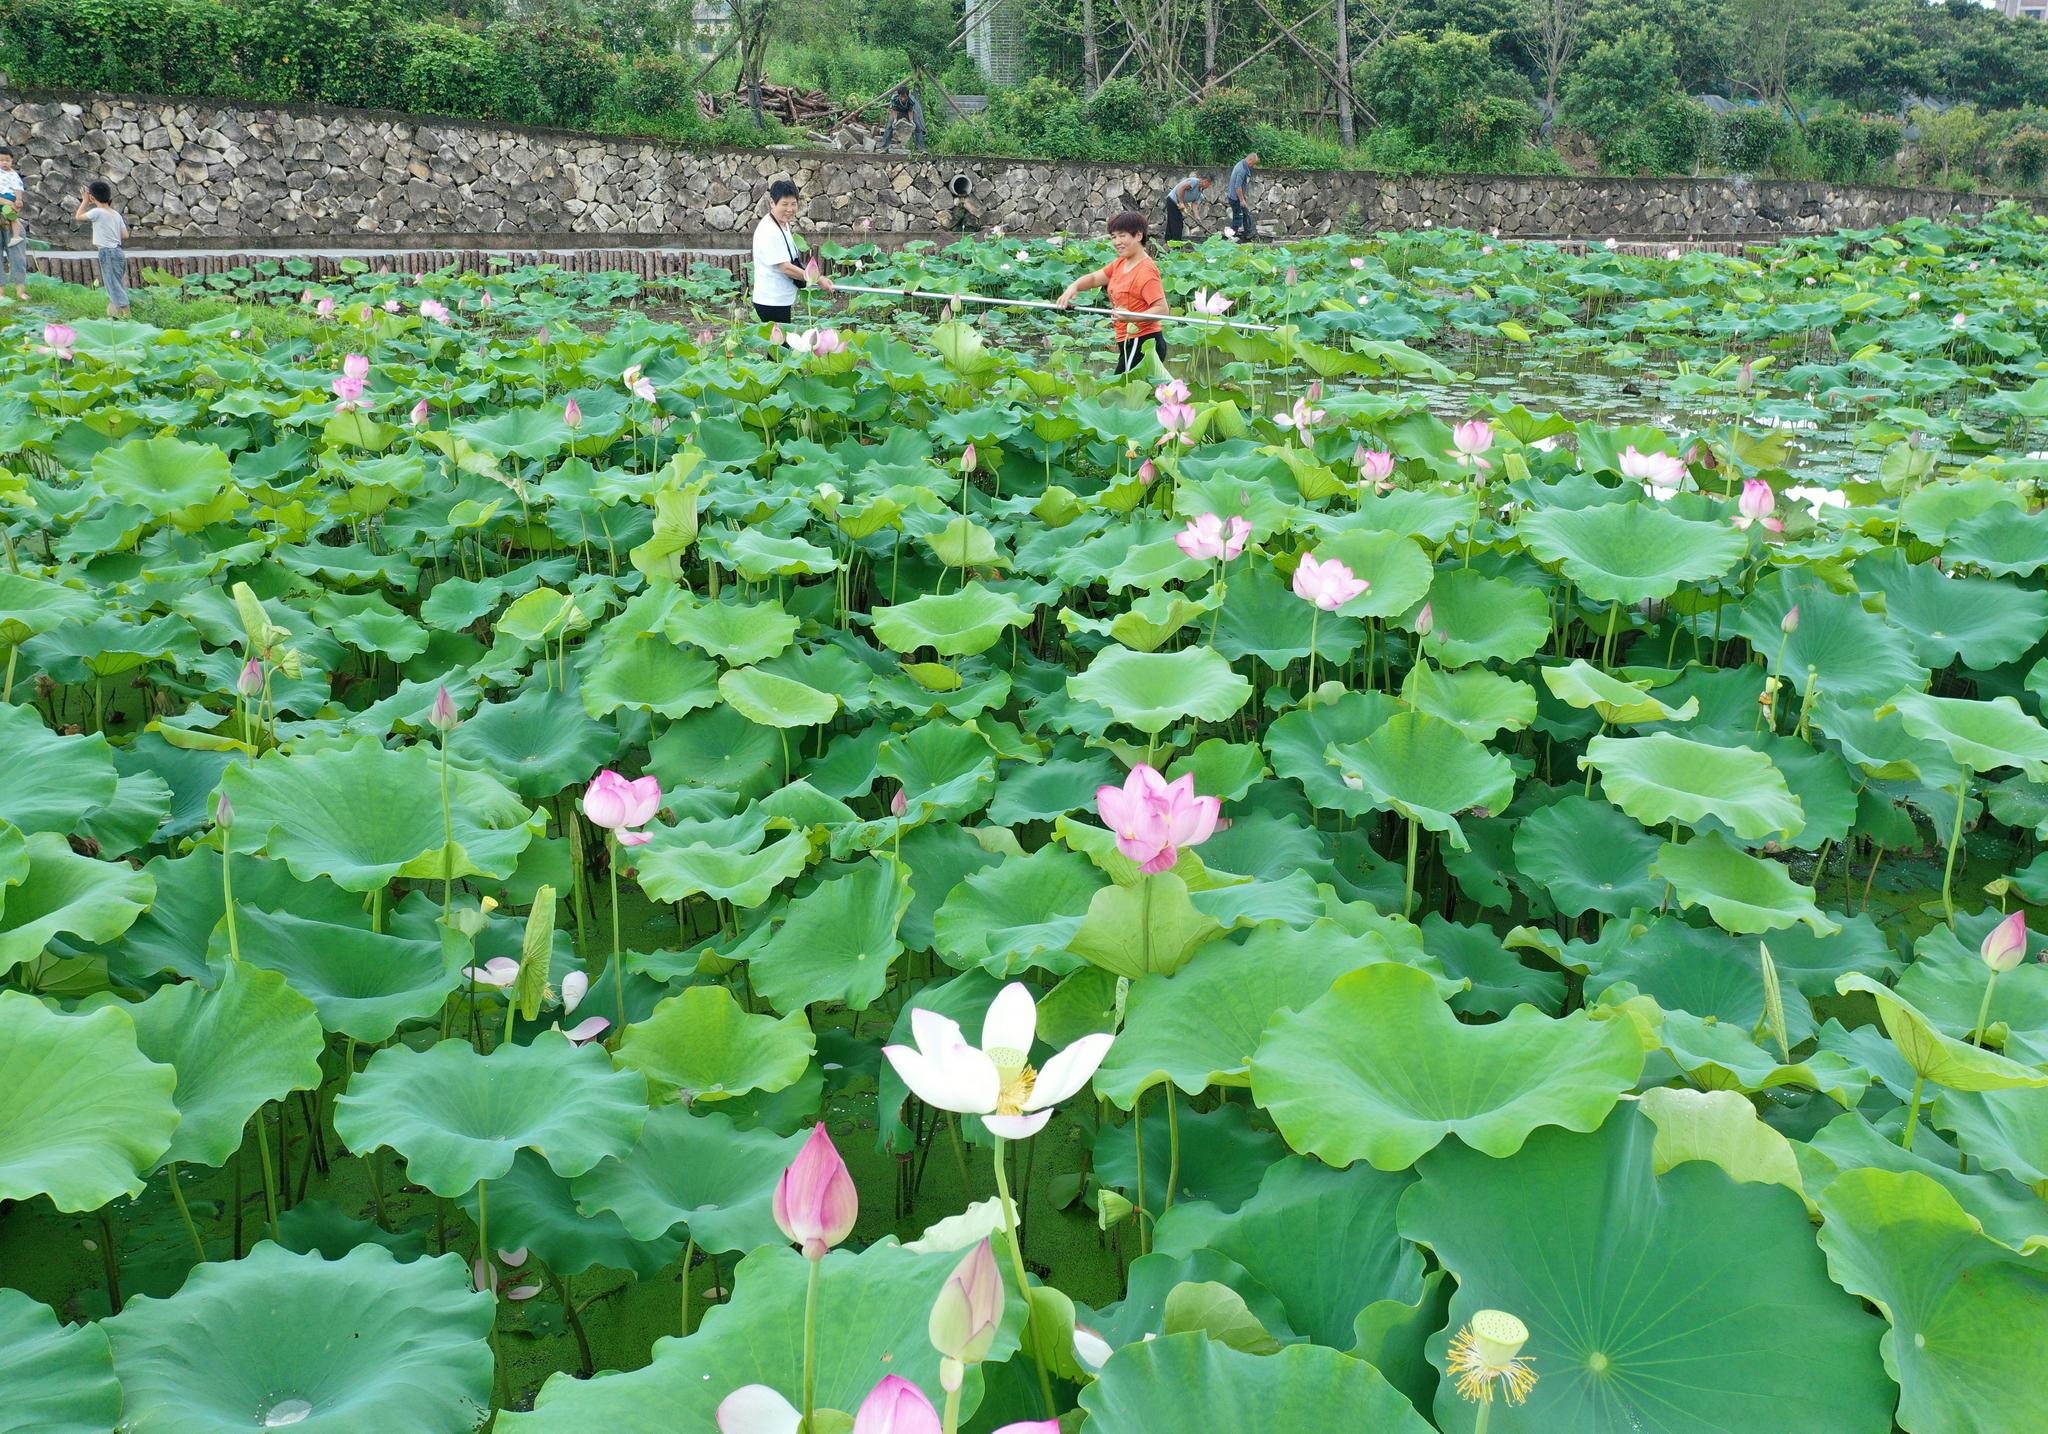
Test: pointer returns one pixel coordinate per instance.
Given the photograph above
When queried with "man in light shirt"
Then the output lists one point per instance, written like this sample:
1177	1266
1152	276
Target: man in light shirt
1181	202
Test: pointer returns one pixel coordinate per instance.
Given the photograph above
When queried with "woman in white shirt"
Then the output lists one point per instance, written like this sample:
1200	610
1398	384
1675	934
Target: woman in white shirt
778	272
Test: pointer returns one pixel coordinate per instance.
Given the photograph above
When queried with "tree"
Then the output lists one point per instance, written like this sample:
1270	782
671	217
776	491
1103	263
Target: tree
1696	29
1955	137
1775	41
1616	84
1554	27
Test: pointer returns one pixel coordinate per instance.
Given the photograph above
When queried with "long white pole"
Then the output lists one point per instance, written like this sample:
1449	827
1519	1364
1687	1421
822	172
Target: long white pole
1069	309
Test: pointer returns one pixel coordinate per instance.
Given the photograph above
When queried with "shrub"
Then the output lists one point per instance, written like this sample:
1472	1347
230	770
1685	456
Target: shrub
1121	106
449	72
2025	158
1882	140
1612	88
1027	110
1487	134
1678	132
551	73
656	84
148	46
1291	149
1222	125
291	51
1836	143
1746	139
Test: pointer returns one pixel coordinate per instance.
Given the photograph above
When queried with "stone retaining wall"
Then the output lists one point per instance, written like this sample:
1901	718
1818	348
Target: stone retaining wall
206	172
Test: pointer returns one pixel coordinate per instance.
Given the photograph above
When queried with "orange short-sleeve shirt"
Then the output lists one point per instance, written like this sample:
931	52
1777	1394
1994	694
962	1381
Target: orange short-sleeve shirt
1135	284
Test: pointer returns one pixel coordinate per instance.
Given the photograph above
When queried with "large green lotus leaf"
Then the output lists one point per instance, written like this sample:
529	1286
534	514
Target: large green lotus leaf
250	1040
652	674
88	1115
1718	1056
701	1044
734	632
1653	1301
1380	1068
543	616
1201	1026
2002	1129
1149	621
59	1378
1478	703
1744	894
1475	618
957	624
1721	1128
1980	621
1665	778
1393	563
534	1209
164	475
364	815
1819	781
1585	856
1153	690
1626	552
1263	619
1322	1241
873	1309
1146	930
1984	736
1010	916
699	1170
1854	655
1966	1343
1224	1153
519	432
1701	971
1953	1064
324	1346
1811	962
363	984
834	943
458	1117
2008	1211
538	743
67	894
2002	542
1583	685
1299	742
1428	771
52	781
1150	1387
31	605
673	867
943	770
771	700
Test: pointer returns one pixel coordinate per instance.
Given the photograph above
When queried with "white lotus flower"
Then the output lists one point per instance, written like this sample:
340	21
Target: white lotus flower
994	1080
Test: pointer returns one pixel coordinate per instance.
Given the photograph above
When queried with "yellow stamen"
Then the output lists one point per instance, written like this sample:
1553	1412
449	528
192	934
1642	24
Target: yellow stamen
1487	1352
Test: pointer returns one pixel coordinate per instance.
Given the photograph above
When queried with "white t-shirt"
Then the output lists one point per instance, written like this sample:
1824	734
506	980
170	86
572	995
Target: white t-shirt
11	186
773	245
108	228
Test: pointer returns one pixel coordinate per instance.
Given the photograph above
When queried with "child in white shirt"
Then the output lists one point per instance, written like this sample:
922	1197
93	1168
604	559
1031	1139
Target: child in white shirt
109	233
14	236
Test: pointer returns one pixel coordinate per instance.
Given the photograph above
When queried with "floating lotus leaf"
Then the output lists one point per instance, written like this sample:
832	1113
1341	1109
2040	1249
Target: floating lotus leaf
1201	1026
1658	1301
734	632
650	673
958	624
1744	894
53	781
537	744
834	943
458	1117
882	1298
1007	917
701	1044
699	1170
1855	655
1475	618
1148	1388
1480	704
1664	778
250	1040
1626	552
1966	1344
1984	736
1428	771
770	700
518	432
66	894
90	1116
364	815
59	1378
363	985
1380	1068
325	1346
1585	856
1153	690
1583	685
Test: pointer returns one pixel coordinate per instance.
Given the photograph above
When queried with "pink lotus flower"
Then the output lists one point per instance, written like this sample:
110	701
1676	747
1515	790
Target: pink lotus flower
2005	945
1328	583
391	306
815	1202
1172	391
420	413
818	341
1358	261
1178	419
1303	417
486	1276
1148	474
969	1308
348	393
1470	443
434	309
572	414
1959	322
1661	474
894	1406
484	301
1153	818
442	716
355	366
1375	466
575	986
1208	538
994	1080
306	296
60	339
1758	504
499	971
620	806
637	383
1210	302
324	309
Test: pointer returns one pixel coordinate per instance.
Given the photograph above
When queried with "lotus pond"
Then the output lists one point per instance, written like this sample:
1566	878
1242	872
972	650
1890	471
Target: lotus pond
1462	863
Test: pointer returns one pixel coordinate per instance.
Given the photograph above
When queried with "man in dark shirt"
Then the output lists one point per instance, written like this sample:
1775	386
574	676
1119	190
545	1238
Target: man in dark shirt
905	107
1239	193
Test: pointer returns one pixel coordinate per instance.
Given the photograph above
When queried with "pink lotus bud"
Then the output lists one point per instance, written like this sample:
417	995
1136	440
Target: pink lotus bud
775	333
968	460
420	413
969	1308
2005	945
355	366
1147	473
574	986
1790	623
572	414
899	804
444	718
1425	621
811	270
485	301
325	308
224	813
619	806
815	1202
250	682
896	1406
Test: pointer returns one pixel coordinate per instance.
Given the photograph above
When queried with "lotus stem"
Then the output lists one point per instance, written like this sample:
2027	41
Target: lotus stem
1984	1010
7	688
689	1258
811	1343
1138	1131
1479	1420
110	1260
447	837
1023	1278
1913	1113
618	969
185	1211
1315	616
269	1173
1948	868
953	1410
1408	893
1172	1146
227	892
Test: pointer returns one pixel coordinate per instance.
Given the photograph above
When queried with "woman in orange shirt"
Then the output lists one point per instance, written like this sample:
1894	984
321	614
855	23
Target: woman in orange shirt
1134	285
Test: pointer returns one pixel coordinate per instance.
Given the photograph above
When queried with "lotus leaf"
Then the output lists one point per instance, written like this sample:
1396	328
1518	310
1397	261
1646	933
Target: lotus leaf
364	985
1428	771
1744	894
699	1170
702	1045
59	1378
1153	690
1148	1388
1626	552
959	624
64	893
1664	778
